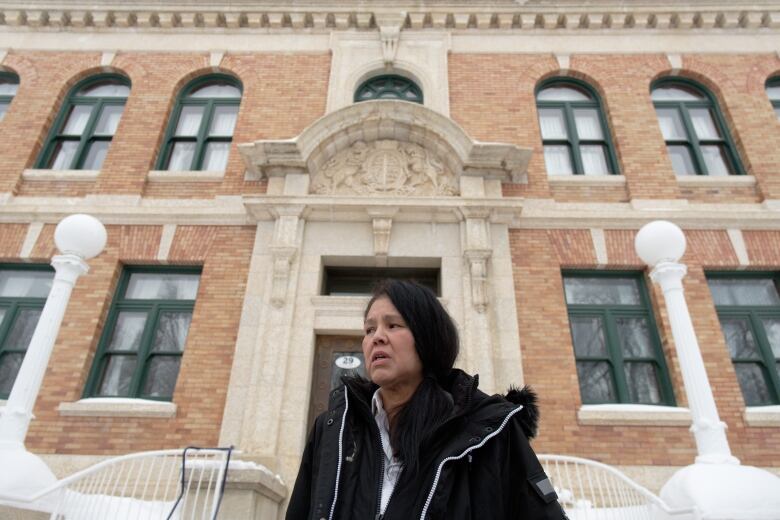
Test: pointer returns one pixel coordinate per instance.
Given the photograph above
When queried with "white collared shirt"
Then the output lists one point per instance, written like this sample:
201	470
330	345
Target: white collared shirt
391	464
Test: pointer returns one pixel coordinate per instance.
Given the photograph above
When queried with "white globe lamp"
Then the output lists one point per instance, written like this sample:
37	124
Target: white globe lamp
660	241
81	235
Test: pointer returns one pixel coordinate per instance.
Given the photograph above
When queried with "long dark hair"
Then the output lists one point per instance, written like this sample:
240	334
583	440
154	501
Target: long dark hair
437	344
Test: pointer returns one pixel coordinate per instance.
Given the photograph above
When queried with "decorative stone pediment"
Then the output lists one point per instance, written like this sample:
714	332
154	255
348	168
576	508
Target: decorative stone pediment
386	167
384	148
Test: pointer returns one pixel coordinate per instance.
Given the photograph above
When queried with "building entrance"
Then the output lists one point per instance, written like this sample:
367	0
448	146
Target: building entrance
335	356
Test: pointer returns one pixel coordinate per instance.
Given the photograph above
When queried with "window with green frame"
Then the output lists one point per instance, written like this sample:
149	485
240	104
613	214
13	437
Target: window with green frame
697	140
748	307
201	127
574	130
141	347
389	86
9	84
773	91
616	344
23	292
86	124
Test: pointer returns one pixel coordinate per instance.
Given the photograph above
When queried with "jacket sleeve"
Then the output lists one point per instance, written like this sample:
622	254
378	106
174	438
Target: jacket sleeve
534	497
299	507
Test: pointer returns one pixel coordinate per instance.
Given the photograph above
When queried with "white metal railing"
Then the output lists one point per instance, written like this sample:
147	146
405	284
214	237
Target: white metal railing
590	490
153	485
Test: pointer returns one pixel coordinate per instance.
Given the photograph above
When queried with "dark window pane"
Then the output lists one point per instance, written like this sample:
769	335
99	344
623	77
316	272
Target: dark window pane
557	159
2	315
171	333
563	93
601	291
77	120
181	156
739	338
634	335
62	157
117	376
772	329
587	334
753	384
96	155
128	330
682	162
642	382
346	364
189	121
25	284
715	160
22	330
109	120
596	384
161	376
162	286
740	291
10	363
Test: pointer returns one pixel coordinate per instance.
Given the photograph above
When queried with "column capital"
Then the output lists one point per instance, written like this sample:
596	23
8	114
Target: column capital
668	274
69	267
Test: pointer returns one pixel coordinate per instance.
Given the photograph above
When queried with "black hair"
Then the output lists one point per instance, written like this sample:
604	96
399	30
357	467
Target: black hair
437	344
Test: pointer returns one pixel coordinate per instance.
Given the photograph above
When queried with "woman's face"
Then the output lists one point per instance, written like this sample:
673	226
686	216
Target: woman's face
388	347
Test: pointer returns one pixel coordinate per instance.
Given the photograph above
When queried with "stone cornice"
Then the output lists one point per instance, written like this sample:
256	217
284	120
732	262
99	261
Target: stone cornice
324	17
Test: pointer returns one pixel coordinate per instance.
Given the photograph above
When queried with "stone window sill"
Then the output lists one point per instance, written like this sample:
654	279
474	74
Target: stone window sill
117	407
726	181
633	415
185	176
586	180
60	175
762	415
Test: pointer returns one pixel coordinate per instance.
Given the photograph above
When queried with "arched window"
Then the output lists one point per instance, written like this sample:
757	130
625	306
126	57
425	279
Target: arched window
696	137
86	124
9	83
574	131
773	91
201	127
389	87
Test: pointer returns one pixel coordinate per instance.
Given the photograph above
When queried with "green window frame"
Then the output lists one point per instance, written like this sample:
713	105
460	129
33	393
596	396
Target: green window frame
575	135
389	86
140	350
86	124
20	309
9	84
748	307
696	135
200	130
616	344
773	92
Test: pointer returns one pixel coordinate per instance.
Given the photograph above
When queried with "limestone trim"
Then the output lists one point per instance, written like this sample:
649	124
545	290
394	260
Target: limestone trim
117	407
633	415
30	238
729	181
163	176
33	175
586	180
371	121
763	416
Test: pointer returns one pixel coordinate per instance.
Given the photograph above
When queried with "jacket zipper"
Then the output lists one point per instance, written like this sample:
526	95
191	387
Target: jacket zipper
465	452
379	515
341	452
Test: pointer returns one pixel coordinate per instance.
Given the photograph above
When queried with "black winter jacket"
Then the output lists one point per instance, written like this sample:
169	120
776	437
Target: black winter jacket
479	465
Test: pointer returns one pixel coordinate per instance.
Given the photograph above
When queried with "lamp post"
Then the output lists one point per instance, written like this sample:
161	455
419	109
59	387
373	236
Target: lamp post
78	237
716	483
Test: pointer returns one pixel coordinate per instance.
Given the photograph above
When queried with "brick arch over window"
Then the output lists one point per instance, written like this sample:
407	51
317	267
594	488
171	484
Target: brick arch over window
575	132
200	129
697	138
86	123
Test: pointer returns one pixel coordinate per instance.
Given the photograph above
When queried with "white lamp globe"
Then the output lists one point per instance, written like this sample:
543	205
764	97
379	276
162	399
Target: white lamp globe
80	235
660	241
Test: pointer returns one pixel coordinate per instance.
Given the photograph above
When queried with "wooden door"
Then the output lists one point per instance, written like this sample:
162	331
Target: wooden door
335	356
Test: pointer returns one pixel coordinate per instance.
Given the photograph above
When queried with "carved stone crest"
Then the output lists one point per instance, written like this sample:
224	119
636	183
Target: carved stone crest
384	168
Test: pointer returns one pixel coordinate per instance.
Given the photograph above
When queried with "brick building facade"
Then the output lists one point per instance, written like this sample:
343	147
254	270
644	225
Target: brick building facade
287	205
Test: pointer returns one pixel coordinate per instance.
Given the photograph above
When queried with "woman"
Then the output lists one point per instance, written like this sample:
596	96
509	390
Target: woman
419	440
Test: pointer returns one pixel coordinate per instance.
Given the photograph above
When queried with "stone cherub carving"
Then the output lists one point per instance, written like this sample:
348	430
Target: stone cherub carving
385	167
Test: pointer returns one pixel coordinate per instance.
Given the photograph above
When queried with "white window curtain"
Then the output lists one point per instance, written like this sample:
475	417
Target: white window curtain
671	124
594	161
224	121
189	121
703	123
216	156
77	120
588	124
552	123
557	160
